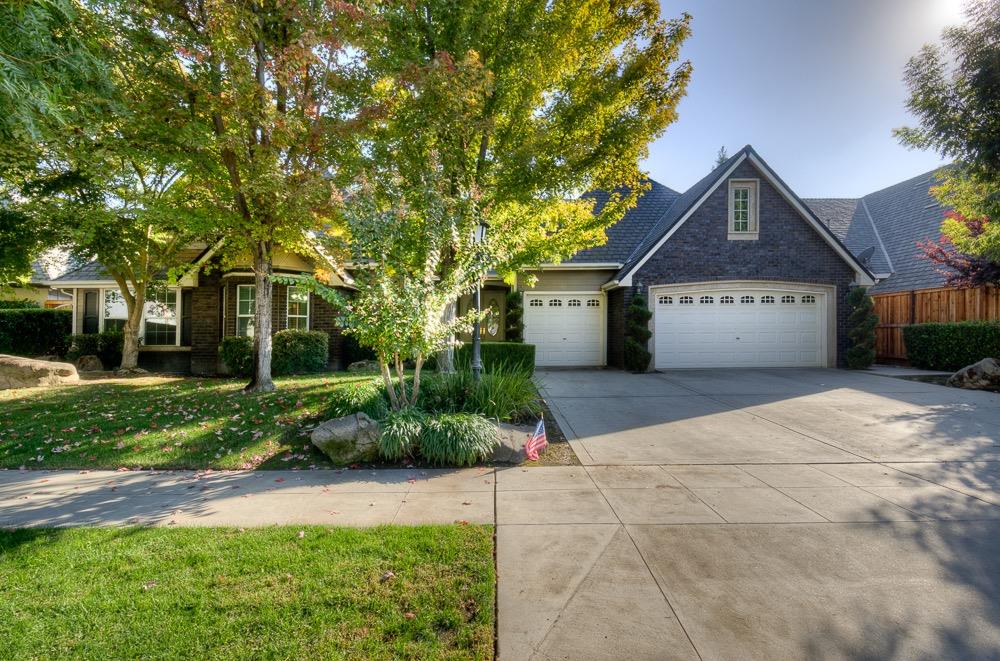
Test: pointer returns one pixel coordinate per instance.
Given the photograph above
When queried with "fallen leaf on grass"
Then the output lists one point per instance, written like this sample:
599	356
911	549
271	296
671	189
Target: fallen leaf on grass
386	576
149	585
408	615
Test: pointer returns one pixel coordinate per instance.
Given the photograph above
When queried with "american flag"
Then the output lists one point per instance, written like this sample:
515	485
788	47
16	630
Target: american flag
537	442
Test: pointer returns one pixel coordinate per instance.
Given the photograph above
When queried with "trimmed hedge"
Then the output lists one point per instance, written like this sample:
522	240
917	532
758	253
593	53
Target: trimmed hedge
107	346
508	355
19	304
951	346
293	352
300	351
34	331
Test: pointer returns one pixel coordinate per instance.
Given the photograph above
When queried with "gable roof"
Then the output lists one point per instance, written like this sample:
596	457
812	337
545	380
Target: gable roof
690	200
835	212
900	216
87	272
848	219
634	225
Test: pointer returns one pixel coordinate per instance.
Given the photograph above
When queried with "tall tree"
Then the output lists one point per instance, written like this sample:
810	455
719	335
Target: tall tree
721	156
954	88
270	89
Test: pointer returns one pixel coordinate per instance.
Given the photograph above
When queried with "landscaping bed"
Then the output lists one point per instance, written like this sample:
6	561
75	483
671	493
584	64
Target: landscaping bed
279	592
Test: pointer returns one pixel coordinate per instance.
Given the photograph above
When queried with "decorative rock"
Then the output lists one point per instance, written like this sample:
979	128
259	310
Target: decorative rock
347	440
364	366
984	375
17	372
135	371
512	440
89	363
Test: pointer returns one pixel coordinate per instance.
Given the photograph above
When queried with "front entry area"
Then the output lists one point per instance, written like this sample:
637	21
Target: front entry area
566	329
741	326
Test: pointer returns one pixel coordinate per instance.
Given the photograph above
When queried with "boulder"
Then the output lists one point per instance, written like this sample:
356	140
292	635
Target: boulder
347	440
17	372
984	375
89	363
364	366
512	440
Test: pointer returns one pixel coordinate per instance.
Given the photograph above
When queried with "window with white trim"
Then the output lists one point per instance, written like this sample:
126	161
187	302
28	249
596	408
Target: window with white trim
727	300
115	311
555	303
593	303
746	299
160	326
808	299
707	300
298	308
742	208
573	303
246	304
665	300
767	299
787	299
535	303
687	300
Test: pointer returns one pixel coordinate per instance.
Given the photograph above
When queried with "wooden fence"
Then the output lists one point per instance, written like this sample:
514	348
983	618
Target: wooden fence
900	309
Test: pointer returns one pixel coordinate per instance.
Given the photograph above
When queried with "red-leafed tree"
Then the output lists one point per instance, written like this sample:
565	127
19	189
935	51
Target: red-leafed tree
959	268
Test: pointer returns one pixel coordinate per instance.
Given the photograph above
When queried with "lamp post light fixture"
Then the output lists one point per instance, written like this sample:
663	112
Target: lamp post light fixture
477	362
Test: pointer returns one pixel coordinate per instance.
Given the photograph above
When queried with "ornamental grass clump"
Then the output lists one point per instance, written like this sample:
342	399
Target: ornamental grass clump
458	439
401	431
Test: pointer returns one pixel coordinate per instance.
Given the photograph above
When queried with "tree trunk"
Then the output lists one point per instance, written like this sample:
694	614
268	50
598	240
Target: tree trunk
446	358
390	389
130	346
261	380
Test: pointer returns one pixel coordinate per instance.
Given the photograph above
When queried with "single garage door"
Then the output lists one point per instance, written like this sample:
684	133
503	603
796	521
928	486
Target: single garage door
566	329
739	328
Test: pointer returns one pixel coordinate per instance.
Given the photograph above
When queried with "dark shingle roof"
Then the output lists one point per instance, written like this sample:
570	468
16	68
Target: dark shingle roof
903	215
86	273
848	221
634	225
683	202
835	212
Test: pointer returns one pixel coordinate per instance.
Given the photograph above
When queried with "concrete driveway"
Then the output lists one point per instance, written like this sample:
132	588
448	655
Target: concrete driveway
755	514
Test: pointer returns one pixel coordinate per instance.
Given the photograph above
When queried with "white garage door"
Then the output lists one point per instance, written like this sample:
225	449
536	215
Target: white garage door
566	329
739	328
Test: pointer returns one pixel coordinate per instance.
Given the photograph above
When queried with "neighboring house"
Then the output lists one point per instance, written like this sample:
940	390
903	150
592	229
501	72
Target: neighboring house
884	228
37	289
184	323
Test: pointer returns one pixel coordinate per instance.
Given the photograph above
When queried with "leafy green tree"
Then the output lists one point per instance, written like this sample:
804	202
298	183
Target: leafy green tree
861	323
721	157
637	335
272	106
954	89
514	323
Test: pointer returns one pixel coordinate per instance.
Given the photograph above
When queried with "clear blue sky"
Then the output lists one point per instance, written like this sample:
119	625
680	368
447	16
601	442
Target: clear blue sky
814	85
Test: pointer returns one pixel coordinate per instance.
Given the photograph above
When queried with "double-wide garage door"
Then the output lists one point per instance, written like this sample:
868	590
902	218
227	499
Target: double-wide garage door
739	328
566	329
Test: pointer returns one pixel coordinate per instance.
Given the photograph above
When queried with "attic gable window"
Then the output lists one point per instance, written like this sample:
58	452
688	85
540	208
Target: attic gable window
743	207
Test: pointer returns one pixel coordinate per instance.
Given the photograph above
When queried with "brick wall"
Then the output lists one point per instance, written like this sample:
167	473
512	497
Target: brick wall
788	249
205	329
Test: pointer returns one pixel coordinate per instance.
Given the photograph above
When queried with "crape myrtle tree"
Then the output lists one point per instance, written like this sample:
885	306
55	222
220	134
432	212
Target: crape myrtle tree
953	91
270	90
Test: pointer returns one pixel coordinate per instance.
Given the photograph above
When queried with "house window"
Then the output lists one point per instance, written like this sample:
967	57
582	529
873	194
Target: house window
665	300
746	299
535	303
593	303
573	303
727	300
707	300
767	299
246	304
161	318
555	303
687	300
742	209
787	299
115	311
808	299
298	308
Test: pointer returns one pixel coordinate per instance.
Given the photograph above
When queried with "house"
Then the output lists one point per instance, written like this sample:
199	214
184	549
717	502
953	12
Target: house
183	324
36	289
884	229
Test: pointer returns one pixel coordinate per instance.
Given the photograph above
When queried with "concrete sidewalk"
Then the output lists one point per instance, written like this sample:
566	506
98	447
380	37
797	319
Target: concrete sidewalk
244	498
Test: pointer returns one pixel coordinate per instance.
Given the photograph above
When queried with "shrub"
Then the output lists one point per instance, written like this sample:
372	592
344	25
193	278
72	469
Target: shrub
107	346
861	323
19	304
637	335
509	355
401	432
299	351
353	352
951	346
366	397
237	354
506	395
514	330
458	439
34	331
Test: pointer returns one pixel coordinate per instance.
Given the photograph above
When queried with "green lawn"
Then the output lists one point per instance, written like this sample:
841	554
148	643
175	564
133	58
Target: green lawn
198	593
162	422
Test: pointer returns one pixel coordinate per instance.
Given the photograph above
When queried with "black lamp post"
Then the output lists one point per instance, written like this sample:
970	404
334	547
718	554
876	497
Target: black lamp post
477	362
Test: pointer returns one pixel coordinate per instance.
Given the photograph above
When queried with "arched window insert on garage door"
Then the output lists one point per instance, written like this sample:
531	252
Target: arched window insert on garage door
555	303
686	300
727	300
535	303
665	300
808	299
787	299
706	300
746	299
767	299
593	303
